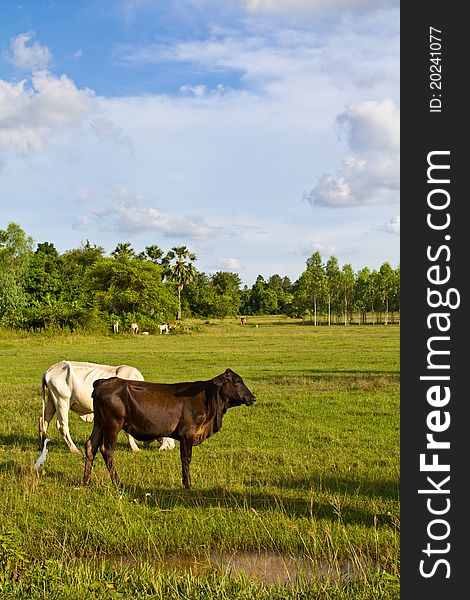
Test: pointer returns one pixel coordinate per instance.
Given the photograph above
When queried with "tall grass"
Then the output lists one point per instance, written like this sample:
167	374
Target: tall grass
311	470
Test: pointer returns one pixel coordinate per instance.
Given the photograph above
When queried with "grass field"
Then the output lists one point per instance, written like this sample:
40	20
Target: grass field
296	497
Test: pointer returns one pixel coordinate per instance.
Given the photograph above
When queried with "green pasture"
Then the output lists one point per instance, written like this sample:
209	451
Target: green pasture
307	475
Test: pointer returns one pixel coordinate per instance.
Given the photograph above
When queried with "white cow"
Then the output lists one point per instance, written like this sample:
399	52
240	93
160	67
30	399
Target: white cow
165	328
68	386
134	328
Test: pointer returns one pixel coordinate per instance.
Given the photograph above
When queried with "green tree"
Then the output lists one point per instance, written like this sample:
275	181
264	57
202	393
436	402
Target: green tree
75	265
373	299
347	287
179	269
44	278
386	285
362	290
123	251
261	299
282	286
395	293
302	298
332	283
316	281
226	297
16	249
130	287
199	295
154	253
13	300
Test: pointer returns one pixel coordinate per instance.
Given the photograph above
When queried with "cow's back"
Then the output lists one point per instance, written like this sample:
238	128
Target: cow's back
73	381
82	376
127	372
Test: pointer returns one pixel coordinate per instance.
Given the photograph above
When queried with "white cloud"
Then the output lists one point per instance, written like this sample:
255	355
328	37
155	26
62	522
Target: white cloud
29	57
392	226
287	64
106	131
32	113
82	224
127	213
371	126
325	250
306	6
34	109
369	175
198	91
225	264
219	91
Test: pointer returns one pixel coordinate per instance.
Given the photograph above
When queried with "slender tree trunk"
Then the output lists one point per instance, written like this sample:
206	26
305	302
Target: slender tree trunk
178	316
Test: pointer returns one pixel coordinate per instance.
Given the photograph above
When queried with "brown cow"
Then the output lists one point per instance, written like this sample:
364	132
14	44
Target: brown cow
189	412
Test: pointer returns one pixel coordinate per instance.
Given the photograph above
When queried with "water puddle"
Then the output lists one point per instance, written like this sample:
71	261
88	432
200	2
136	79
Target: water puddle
265	567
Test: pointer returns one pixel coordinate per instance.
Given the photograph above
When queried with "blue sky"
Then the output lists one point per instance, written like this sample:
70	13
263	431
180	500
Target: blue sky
255	132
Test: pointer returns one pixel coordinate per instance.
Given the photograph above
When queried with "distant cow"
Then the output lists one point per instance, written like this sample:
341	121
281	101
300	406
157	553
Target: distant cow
243	321
68	386
116	326
165	328
189	412
134	328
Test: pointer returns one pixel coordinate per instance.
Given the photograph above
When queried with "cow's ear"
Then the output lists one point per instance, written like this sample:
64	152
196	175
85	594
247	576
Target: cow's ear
219	380
222	378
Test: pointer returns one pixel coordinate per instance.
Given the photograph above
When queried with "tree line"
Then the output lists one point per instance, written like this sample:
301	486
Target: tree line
83	289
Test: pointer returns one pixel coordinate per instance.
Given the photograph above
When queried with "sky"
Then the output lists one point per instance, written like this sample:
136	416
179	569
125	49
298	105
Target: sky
254	132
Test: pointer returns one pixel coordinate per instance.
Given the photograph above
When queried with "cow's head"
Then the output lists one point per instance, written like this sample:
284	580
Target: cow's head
233	390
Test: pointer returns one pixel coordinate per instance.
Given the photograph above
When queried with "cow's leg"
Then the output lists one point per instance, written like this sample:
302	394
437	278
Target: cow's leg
167	444
91	448
107	452
63	425
186	448
49	412
132	444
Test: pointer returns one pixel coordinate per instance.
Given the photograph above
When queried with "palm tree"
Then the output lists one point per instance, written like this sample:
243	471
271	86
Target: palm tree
123	251
154	253
179	269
